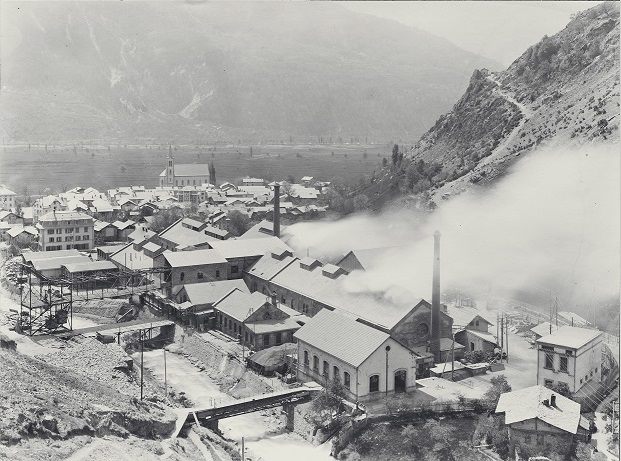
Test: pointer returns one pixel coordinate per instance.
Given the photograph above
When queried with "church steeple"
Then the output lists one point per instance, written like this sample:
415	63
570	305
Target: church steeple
170	168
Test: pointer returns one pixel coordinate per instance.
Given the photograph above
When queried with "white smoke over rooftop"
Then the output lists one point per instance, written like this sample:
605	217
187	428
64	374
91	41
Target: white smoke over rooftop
553	222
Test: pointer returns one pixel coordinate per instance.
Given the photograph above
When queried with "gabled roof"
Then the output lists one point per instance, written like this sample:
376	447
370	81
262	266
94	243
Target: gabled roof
211	292
183	236
368	257
98	226
241	248
122	225
346	339
56	263
39	255
268	266
572	337
5	190
194	258
64	216
528	404
462	316
89	266
193	169
239	304
544	329
573	317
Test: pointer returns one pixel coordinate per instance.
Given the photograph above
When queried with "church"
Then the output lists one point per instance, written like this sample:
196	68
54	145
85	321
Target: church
193	174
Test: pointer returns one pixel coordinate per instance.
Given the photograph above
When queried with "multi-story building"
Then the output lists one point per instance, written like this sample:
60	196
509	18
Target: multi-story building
7	198
569	355
47	204
65	230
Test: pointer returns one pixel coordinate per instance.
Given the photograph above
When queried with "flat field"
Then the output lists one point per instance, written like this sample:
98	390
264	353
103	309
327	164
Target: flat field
104	167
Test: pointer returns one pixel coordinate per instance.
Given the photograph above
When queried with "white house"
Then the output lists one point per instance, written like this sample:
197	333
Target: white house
569	355
7	198
368	362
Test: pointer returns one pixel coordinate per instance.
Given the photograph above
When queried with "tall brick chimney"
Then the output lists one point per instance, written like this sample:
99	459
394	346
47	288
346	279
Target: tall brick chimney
276	209
435	300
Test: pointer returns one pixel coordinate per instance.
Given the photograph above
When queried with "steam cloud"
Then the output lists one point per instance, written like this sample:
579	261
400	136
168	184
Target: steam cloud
552	223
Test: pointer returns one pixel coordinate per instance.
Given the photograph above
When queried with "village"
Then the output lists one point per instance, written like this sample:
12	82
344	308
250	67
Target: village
238	303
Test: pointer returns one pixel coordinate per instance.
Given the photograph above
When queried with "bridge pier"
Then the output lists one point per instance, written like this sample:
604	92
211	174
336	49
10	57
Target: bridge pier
290	415
212	425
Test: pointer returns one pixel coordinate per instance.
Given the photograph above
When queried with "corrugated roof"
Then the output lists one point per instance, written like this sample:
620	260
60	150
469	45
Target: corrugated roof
572	337
90	266
344	338
210	292
527	404
248	247
194	258
237	304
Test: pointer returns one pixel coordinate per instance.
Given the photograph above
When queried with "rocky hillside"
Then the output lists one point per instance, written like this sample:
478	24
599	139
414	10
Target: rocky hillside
563	90
209	71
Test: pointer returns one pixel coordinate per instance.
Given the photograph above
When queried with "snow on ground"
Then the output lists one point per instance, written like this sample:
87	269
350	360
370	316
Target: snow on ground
601	437
263	435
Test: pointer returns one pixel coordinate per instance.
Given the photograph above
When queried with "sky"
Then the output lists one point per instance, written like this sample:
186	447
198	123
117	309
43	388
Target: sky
500	30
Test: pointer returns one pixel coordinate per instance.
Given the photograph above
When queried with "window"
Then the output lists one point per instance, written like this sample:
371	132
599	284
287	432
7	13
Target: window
283	300
59	239
563	367
86	237
77	229
477	323
59	231
569	352
69	230
548	383
580	380
278	338
315	364
591	373
595	370
374	383
326	369
234	269
50	231
422	329
85	229
540	439
217	274
182	276
68	247
549	361
69	238
199	275
346	380
234	327
306	362
51	239
336	373
78	237
304	308
471	346
266	340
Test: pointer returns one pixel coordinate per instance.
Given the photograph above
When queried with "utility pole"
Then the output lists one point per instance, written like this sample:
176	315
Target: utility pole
243	451
141	363
507	334
502	332
165	380
387	350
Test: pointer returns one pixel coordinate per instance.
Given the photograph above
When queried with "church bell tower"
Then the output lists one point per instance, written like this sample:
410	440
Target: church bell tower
170	168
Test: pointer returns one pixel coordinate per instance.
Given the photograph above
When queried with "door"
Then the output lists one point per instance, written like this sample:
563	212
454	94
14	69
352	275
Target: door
400	381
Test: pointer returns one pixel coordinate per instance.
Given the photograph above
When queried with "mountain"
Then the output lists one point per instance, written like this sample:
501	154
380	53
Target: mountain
562	91
221	71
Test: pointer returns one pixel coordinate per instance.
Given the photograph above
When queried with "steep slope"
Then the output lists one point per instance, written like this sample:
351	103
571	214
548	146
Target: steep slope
562	91
216	71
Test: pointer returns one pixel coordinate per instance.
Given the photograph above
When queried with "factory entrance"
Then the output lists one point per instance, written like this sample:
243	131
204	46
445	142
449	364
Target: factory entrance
400	381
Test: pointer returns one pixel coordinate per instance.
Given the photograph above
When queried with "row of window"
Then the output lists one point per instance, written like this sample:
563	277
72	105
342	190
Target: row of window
77	246
549	363
188	183
228	324
68	230
199	275
336	373
69	238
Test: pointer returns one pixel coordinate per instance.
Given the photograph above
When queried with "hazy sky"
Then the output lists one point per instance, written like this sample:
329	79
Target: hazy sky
501	30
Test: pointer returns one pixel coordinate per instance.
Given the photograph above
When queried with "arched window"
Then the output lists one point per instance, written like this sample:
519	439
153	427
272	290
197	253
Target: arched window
422	329
326	369
315	364
346	380
336	373
374	383
306	362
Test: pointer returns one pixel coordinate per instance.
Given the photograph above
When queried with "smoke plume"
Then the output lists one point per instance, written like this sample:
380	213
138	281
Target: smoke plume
553	223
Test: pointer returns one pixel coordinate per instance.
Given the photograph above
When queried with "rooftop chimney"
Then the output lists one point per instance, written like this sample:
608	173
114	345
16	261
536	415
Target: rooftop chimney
276	209
435	299
553	400
274	298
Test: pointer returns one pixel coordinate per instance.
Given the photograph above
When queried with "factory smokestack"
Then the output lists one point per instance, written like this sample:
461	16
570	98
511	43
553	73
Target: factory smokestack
435	300
276	209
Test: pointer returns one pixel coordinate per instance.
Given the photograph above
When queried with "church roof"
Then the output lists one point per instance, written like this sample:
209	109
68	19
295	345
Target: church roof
192	169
